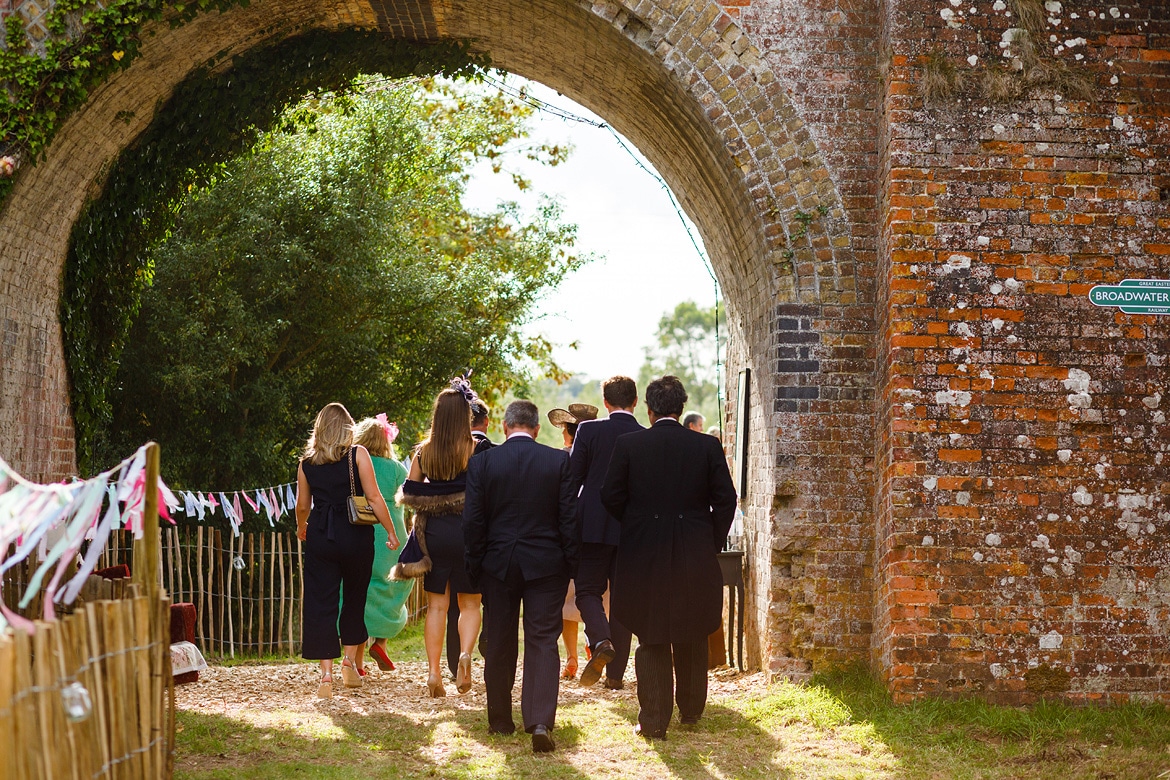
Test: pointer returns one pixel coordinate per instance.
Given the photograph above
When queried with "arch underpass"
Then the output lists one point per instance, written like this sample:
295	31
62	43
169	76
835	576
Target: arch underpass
689	89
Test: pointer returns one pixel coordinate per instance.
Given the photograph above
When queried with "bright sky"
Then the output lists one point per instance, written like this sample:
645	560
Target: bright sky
646	263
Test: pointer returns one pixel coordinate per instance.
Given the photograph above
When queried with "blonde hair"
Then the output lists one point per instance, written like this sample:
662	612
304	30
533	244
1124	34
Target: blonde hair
371	434
444	453
332	435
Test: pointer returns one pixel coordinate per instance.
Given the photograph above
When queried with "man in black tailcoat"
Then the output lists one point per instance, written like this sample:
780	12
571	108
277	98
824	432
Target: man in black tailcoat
521	545
671	489
609	641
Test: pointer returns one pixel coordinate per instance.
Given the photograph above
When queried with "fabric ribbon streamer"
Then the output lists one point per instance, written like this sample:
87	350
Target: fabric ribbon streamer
69	514
272	502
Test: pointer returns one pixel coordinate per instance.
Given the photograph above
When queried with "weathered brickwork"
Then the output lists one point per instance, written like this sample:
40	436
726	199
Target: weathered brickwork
1024	505
956	463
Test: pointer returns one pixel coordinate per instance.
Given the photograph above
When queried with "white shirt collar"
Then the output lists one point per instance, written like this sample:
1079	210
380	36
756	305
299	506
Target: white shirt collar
620	411
514	434
667	419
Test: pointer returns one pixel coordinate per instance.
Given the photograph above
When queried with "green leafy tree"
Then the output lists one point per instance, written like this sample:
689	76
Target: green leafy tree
689	346
335	262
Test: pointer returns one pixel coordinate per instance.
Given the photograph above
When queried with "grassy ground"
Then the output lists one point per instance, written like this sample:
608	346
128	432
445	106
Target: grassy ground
841	726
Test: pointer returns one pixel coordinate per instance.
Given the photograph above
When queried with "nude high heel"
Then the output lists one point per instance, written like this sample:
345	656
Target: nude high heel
463	673
435	687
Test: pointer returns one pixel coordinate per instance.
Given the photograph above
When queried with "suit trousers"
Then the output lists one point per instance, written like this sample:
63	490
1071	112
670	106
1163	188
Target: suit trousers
594	575
659	683
542	600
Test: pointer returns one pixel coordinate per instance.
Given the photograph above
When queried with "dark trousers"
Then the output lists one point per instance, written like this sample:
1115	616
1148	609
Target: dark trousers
542	600
668	673
453	633
594	575
347	558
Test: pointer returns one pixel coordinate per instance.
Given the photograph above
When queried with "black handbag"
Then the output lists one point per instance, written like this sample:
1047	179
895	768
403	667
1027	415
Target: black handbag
360	511
411	551
413	562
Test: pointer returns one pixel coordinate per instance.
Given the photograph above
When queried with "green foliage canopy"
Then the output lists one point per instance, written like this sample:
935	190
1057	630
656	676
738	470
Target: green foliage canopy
216	113
688	344
334	261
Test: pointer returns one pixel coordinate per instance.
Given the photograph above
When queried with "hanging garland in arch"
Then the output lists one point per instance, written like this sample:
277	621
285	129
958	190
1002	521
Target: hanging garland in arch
214	114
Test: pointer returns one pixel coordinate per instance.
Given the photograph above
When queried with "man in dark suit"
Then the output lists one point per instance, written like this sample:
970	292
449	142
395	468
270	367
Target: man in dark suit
520	535
672	491
479	425
480	414
609	641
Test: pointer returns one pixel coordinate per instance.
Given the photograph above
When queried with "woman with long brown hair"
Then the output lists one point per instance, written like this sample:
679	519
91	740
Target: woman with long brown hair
434	490
336	552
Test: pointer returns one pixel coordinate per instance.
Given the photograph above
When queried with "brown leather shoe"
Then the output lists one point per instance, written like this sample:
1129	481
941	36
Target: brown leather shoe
614	685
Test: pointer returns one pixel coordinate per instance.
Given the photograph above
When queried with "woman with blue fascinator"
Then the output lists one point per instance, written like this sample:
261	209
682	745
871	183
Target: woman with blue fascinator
434	491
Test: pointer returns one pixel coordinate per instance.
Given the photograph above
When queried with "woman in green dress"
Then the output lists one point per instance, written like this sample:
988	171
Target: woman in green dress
386	599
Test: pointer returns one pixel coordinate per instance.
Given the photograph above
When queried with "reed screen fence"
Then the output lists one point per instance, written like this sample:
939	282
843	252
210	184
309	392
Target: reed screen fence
89	695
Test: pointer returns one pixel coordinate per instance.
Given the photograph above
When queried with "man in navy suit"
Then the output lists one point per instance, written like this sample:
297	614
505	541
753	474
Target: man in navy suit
521	545
671	489
609	641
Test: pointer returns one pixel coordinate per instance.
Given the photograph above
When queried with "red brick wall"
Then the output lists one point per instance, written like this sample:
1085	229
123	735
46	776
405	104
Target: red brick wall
1023	514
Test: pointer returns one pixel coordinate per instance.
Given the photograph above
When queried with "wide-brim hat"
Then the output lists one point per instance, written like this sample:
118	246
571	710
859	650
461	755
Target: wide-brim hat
576	413
583	412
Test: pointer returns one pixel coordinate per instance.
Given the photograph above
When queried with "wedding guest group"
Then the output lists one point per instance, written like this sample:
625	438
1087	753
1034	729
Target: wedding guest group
633	517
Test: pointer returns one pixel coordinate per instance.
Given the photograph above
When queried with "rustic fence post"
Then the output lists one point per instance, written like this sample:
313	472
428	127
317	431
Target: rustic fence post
147	550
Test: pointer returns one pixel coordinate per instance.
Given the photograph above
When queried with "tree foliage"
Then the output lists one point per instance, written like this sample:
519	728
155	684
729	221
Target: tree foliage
688	344
335	262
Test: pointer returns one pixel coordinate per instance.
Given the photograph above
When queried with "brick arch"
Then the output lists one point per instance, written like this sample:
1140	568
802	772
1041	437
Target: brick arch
681	81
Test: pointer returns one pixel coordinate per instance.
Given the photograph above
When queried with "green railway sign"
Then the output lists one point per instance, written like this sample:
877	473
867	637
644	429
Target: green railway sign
1134	296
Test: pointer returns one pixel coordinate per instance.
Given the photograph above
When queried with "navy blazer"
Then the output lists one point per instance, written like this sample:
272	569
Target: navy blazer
519	509
590	461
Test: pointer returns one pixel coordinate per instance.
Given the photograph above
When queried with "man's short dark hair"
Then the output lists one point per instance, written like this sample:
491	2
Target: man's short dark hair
479	412
666	396
619	392
692	418
522	414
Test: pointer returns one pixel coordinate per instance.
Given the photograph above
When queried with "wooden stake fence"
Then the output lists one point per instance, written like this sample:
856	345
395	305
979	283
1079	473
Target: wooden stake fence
246	590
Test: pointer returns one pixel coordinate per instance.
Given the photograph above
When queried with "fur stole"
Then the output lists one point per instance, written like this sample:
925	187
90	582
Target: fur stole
424	506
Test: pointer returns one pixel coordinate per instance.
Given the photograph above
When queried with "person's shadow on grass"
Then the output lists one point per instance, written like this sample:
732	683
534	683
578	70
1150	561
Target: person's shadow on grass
455	740
722	744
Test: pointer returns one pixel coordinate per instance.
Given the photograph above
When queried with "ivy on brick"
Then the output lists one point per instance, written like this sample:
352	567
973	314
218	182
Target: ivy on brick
215	113
87	42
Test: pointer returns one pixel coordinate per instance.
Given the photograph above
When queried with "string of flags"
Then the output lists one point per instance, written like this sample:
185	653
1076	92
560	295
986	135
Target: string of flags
273	502
56	520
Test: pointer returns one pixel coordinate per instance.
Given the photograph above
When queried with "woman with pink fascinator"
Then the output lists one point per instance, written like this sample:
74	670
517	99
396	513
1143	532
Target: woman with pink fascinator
386	598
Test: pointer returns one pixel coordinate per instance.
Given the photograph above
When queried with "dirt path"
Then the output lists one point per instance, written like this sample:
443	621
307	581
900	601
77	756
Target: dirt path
236	691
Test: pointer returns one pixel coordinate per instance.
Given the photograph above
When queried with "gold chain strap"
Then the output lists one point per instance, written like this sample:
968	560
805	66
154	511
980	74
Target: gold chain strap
352	489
